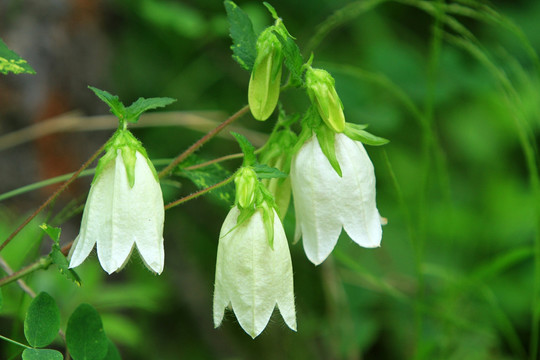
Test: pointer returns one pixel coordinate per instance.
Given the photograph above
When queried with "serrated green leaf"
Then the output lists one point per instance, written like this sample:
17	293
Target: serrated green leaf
63	265
293	58
53	232
356	132
85	338
12	62
41	354
112	352
247	149
267	172
134	111
116	106
244	39
208	176
42	321
327	139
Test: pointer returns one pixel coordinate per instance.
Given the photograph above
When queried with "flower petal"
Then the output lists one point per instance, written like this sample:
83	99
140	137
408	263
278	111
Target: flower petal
314	181
147	211
359	213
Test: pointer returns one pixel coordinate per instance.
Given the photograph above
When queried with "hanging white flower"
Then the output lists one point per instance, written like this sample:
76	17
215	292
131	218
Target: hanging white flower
251	277
325	202
124	209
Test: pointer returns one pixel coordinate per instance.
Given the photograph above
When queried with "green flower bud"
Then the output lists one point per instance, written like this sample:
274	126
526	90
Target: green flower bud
246	185
265	81
322	92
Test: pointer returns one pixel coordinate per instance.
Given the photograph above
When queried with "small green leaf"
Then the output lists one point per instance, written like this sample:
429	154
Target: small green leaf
242	34
42	321
247	149
63	265
112	353
85	337
293	59
134	111
53	232
271	10
12	62
268	221
327	139
267	172
356	132
41	354
117	108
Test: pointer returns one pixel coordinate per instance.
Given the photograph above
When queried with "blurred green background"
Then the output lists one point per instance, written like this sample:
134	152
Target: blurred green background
453	85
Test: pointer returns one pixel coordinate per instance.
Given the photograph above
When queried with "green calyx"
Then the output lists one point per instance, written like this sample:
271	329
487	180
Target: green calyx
322	92
128	145
246	185
265	81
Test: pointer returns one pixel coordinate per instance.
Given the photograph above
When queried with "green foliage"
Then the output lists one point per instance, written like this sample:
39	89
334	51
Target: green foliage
112	352
247	148
244	38
131	113
208	176
57	256
293	58
267	172
42	321
41	354
11	62
85	337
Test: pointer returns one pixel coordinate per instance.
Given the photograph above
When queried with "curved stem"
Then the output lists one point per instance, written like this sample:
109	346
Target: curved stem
210	162
202	141
199	193
53	196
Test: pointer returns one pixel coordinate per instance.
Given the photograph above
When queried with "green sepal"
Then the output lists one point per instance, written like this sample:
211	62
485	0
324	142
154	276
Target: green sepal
246	183
244	215
327	139
310	121
356	132
242	34
128	145
247	149
57	257
268	220
10	61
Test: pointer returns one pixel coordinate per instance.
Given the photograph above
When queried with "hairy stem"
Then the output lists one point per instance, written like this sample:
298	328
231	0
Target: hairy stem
202	141
199	193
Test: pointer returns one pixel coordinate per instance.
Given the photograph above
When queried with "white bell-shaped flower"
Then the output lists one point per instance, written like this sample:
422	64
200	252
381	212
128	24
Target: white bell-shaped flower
251	277
118	216
325	202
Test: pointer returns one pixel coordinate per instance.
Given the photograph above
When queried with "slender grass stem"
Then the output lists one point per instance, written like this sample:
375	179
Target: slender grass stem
199	193
14	342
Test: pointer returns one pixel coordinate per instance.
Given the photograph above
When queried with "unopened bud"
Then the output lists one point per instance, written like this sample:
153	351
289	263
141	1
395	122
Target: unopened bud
322	92
246	185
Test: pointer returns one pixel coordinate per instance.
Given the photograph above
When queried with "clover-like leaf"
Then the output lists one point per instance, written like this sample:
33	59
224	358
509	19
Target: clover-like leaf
85	337
41	354
42	321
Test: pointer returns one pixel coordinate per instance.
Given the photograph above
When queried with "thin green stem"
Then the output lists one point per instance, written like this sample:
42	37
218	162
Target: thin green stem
199	193
14	342
42	263
53	196
202	141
